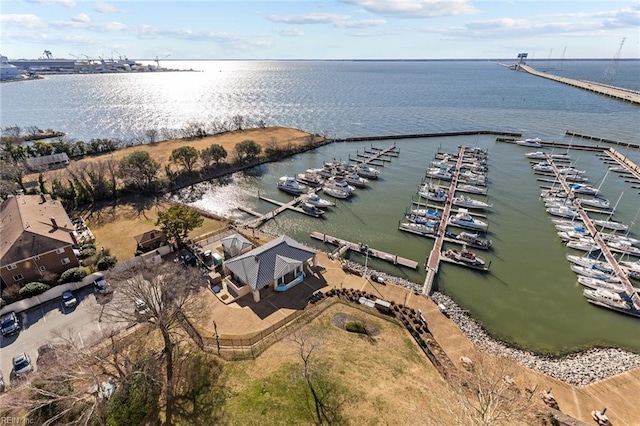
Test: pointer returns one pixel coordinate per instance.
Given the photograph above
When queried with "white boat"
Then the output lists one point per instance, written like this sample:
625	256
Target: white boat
607	298
583	244
575	178
584	189
572	235
626	239
563	211
632	266
543	168
290	185
367	171
337	188
315	200
463	201
311	209
539	155
418	228
570	171
553	192
589	262
623	248
595	284
610	224
471	239
572	227
428	213
473	189
463	219
422	220
438	173
355	179
310	177
465	257
433	194
594	272
599	203
535	142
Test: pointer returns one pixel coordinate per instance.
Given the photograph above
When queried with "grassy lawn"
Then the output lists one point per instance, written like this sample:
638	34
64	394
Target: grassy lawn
114	225
386	380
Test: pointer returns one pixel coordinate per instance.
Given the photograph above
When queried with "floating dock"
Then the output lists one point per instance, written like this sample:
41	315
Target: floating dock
361	248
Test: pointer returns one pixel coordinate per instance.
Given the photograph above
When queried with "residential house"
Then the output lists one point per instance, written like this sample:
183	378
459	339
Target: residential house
279	264
37	239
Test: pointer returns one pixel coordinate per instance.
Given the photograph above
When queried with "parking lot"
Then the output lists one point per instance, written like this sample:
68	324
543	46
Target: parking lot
49	322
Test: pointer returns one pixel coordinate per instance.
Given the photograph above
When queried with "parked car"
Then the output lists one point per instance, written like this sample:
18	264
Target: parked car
10	324
68	299
102	286
142	310
22	364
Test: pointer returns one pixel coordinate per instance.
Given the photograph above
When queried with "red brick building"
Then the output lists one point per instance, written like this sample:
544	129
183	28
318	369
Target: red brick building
36	239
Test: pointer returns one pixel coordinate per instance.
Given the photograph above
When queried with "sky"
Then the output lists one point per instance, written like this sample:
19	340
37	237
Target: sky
301	29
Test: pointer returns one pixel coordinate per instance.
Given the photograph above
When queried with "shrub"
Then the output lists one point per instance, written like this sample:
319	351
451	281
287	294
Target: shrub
355	327
87	252
106	263
72	275
33	289
87	246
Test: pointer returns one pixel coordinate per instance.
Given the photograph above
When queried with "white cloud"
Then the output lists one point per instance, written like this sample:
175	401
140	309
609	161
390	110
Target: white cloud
82	17
104	8
291	32
65	3
335	20
415	8
21	20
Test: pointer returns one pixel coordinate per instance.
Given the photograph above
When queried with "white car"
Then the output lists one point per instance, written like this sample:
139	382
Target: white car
22	364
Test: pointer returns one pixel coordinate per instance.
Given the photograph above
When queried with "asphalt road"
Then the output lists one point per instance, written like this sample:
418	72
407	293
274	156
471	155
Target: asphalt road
47	322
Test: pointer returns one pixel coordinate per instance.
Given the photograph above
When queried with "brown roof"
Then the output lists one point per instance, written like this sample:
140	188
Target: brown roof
27	228
149	236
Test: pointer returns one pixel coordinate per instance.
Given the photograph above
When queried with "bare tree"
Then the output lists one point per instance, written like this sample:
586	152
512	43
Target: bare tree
238	122
152	135
326	396
164	296
487	392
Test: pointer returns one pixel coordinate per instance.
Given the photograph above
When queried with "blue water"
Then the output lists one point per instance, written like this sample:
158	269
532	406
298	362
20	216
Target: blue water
336	98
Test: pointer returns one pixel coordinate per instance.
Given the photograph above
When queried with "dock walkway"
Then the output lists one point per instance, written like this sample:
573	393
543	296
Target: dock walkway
433	261
604	248
601	89
374	253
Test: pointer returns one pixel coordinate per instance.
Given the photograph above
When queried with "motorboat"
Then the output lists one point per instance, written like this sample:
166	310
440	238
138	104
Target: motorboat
355	179
418	228
563	211
623	248
330	168
594	272
472	240
310	177
428	213
598	203
543	168
438	173
290	185
311	209
534	143
465	257
337	188
540	155
463	219
463	201
433	194
570	171
315	200
367	171
609	299
584	189
611	224
422	220
595	284
589	262
473	189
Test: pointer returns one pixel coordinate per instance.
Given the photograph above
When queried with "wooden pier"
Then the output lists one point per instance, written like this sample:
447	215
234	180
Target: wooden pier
260	218
433	261
604	248
376	156
601	89
361	248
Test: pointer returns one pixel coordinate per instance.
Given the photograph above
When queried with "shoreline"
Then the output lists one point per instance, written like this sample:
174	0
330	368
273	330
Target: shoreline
579	368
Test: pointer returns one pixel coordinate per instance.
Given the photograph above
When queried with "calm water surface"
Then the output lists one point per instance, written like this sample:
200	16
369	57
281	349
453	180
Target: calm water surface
530	297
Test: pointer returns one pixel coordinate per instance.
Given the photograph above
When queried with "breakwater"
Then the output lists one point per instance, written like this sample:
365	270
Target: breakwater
428	135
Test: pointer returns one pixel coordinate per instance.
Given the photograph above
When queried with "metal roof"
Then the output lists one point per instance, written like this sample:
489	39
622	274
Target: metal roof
270	261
